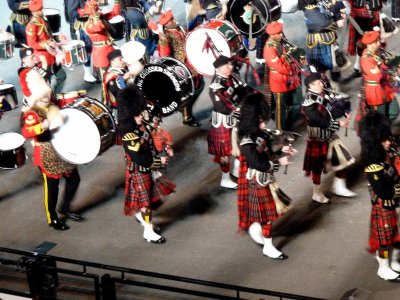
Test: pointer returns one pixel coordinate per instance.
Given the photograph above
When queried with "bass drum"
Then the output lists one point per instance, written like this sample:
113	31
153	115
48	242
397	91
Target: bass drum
88	130
264	12
167	82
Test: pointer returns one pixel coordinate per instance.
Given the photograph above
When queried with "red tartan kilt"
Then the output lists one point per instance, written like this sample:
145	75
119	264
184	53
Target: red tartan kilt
140	191
219	141
315	156
260	206
383	229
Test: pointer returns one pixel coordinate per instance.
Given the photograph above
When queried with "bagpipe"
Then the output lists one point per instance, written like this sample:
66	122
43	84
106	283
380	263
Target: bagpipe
391	61
294	55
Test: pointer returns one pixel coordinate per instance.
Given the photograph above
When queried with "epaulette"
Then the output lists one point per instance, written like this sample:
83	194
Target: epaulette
308	102
246	141
373	168
130	136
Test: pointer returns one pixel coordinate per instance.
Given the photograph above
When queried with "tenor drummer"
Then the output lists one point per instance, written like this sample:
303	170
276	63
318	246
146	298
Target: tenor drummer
225	91
39	38
379	92
19	19
36	123
283	77
77	21
322	129
172	43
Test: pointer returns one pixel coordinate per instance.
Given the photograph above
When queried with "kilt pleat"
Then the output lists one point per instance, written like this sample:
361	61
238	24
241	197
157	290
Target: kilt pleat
320	56
315	156
219	141
140	191
383	229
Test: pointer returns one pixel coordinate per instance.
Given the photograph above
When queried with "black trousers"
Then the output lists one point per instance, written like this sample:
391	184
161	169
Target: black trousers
51	189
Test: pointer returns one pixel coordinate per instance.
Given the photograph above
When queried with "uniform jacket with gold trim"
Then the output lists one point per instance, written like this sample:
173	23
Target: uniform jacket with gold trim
20	11
378	88
321	29
282	76
38	35
113	83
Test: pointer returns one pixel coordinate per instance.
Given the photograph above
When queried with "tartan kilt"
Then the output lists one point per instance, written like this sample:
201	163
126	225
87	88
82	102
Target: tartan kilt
383	229
320	56
315	156
219	141
140	191
259	207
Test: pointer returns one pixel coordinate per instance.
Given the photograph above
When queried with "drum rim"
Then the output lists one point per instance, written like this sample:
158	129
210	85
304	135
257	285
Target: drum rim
16	135
50	9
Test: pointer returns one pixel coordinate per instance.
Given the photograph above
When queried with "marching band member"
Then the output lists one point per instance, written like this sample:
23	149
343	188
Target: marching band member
367	19
37	123
283	77
172	43
322	128
102	42
224	90
141	193
379	91
136	17
256	204
215	9
77	21
383	178
19	19
116	78
39	38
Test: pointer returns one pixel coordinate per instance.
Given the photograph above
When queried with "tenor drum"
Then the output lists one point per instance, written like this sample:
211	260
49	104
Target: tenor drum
88	130
6	45
53	17
64	99
210	40
75	53
264	12
8	97
167	82
12	151
118	28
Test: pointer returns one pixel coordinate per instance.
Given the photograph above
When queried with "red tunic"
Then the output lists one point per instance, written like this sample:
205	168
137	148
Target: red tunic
282	77
37	36
378	89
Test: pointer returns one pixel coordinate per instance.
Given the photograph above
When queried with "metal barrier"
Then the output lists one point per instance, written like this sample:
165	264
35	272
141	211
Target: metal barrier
43	278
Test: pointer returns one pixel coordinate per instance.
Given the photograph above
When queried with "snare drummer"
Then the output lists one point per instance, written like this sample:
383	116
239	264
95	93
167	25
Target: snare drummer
77	21
36	123
19	19
172	43
39	38
322	130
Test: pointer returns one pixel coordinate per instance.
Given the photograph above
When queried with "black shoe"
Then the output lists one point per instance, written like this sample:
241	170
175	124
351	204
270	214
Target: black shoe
192	123
59	225
160	241
74	217
280	257
356	74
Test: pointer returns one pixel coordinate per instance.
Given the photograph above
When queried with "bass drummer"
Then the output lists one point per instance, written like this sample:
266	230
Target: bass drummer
36	123
172	44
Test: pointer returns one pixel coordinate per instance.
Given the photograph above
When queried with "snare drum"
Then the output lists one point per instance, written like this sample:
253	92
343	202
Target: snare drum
12	151
64	99
167	82
75	53
53	17
118	28
222	37
6	45
8	97
269	9
88	130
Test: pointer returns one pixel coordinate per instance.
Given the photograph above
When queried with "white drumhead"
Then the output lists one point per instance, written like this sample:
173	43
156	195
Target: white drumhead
50	11
10	141
132	51
72	45
6	86
6	36
202	61
116	19
78	139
